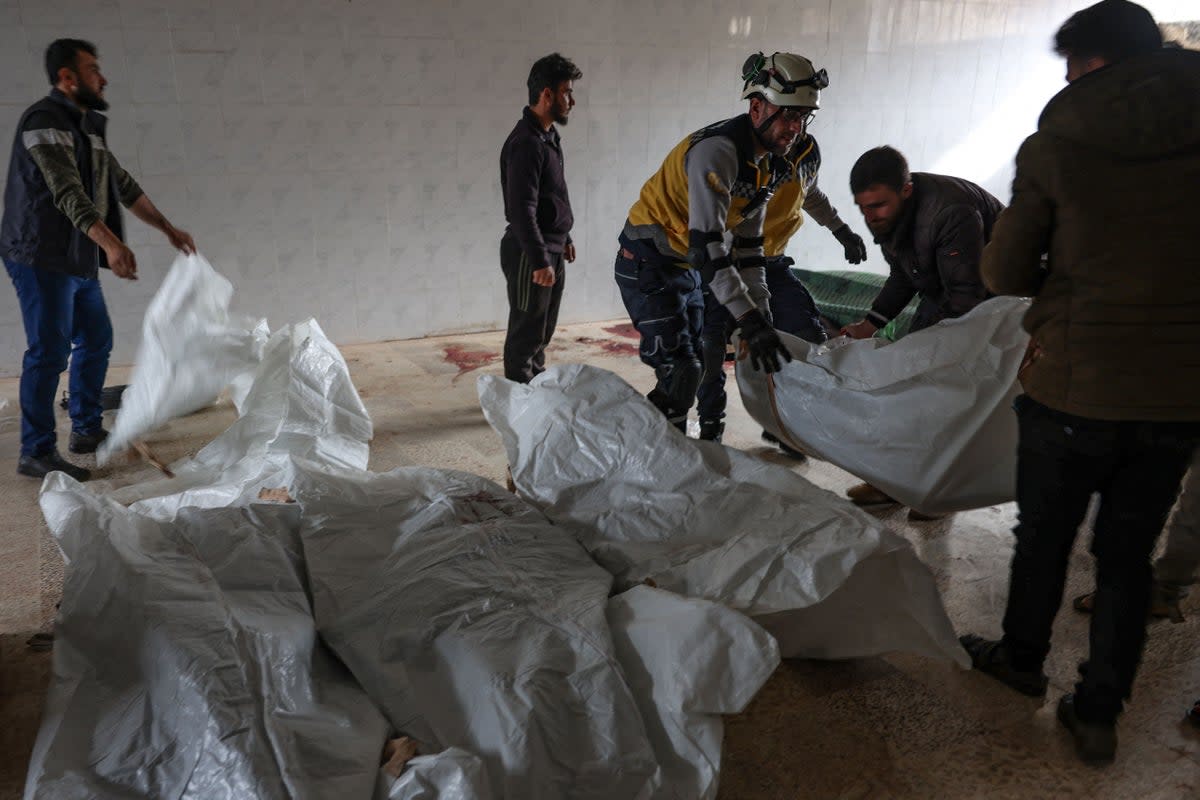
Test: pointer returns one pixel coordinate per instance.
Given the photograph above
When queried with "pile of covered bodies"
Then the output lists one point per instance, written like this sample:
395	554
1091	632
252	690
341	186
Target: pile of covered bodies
928	419
264	623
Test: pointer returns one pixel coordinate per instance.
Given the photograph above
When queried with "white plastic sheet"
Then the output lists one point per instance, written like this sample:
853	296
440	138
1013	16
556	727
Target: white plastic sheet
186	663
707	521
475	623
453	774
927	419
187	325
688	661
9	420
300	402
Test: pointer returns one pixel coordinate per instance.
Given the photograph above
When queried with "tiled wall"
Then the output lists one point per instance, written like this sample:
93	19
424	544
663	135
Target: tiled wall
339	158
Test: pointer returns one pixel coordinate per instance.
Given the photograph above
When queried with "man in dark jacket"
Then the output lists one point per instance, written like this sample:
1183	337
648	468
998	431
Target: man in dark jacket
1112	403
538	210
61	225
932	230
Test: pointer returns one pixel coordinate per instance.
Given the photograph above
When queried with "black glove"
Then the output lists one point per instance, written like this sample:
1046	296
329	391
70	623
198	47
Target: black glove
856	248
763	342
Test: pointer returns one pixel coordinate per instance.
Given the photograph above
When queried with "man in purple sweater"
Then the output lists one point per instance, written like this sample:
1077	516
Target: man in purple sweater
538	209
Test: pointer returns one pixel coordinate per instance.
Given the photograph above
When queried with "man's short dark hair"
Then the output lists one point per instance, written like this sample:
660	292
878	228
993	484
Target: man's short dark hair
65	53
548	72
883	165
1111	30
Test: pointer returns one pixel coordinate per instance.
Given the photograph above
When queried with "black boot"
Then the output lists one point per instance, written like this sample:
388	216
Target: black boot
784	448
87	442
41	466
1095	742
711	430
994	658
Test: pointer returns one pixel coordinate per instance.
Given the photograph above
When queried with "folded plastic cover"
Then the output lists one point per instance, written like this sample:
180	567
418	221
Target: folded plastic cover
187	324
186	662
927	419
475	623
688	661
707	521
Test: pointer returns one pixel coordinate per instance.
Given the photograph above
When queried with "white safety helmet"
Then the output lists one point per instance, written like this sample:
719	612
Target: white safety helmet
784	79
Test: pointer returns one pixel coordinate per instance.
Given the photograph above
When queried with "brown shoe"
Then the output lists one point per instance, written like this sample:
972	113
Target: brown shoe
1162	605
864	494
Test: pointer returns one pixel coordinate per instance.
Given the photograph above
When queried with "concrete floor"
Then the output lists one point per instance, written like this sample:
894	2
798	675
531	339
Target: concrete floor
895	726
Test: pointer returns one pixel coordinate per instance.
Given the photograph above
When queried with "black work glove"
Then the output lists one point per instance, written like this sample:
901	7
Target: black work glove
856	248
763	342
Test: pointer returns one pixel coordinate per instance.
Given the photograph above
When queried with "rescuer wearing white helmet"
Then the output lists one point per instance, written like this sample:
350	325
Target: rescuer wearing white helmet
792	307
698	222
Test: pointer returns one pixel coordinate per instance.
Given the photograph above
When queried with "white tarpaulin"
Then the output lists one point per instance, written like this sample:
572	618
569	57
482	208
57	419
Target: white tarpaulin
187	323
688	661
475	623
186	662
927	419
702	520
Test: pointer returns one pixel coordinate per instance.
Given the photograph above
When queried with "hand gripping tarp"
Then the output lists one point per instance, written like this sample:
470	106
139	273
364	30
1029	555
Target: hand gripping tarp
187	324
927	419
475	623
707	521
186	663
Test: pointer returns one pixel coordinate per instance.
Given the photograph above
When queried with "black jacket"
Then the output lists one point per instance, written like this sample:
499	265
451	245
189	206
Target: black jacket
935	250
536	204
36	230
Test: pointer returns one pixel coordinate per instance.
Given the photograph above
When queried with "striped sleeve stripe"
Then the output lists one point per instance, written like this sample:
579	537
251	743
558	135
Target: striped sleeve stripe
32	139
97	142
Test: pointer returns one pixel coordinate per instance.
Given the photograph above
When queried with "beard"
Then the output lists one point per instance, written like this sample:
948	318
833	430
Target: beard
559	113
86	98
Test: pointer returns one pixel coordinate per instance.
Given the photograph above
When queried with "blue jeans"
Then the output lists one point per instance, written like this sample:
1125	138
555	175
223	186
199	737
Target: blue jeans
64	316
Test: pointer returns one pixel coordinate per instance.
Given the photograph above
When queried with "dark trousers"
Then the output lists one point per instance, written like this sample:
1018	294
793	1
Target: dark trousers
1136	467
665	306
793	311
532	311
63	316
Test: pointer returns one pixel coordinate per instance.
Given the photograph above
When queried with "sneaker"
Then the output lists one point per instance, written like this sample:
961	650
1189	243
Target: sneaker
1164	603
43	465
864	494
784	447
711	430
993	658
87	442
1095	742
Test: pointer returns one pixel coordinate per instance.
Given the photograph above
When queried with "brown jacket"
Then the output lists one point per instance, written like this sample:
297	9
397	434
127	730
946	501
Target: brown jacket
1109	188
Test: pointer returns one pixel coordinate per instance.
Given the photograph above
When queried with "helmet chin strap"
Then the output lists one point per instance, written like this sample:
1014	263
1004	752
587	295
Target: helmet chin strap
761	130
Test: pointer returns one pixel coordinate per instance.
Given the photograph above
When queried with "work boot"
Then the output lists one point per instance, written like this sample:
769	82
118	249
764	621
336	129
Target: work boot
87	442
864	494
43	465
1095	742
1164	603
784	447
994	659
711	430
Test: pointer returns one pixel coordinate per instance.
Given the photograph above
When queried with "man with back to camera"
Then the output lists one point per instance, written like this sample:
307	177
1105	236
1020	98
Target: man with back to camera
698	223
61	225
1111	403
932	230
792	307
538	209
